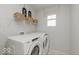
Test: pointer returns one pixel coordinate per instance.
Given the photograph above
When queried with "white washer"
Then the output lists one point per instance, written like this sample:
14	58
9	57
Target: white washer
29	44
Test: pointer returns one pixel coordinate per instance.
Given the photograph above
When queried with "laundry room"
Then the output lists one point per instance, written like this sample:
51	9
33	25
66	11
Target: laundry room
39	29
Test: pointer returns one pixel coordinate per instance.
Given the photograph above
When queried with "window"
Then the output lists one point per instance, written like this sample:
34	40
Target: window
51	20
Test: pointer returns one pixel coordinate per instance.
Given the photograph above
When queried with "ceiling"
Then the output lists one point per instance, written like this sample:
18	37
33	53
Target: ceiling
41	6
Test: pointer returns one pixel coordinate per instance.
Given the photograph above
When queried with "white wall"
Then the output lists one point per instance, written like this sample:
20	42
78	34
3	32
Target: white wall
8	25
59	35
75	29
62	41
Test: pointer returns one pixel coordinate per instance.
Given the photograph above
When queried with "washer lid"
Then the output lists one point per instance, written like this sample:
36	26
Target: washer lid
24	38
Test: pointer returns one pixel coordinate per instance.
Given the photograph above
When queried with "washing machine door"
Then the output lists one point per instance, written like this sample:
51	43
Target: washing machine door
35	48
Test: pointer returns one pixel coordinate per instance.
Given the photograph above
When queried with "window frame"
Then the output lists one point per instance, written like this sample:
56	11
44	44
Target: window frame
51	17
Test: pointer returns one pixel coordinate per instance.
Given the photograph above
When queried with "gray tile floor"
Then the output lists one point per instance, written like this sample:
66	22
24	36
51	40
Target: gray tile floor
55	52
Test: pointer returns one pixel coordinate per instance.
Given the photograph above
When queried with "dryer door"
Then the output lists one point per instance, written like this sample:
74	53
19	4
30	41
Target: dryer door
45	45
35	48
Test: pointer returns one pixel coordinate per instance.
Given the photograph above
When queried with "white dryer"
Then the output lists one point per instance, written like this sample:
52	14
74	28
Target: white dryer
45	44
24	45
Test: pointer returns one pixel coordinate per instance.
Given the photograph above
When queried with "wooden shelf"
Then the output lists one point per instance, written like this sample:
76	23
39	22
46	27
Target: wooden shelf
21	17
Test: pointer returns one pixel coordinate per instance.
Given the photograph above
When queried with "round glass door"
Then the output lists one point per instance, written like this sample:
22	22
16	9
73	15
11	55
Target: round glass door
35	50
45	43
